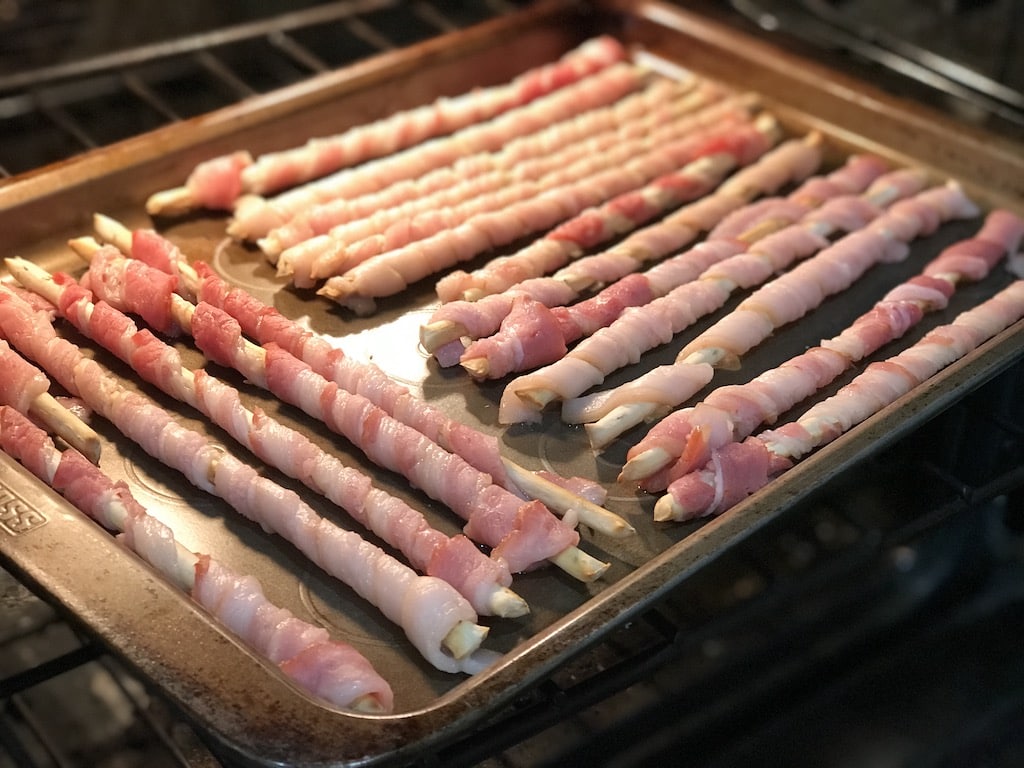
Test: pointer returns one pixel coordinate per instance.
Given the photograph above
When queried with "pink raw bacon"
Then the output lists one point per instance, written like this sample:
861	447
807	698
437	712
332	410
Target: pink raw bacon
484	583
800	290
314	242
345	677
218	183
694	284
731	413
615	217
389	273
255	217
265	323
791	161
401	594
738	469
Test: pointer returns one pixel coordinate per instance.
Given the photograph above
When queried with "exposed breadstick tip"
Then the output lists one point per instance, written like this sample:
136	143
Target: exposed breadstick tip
171	202
477	367
666	510
369	704
464	638
617	421
644	464
473	294
580	565
84	247
435	335
338	292
536	398
814	139
113	232
507	604
562	501
69	427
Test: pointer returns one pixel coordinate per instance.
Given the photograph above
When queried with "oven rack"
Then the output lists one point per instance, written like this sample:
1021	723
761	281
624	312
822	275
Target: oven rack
56	112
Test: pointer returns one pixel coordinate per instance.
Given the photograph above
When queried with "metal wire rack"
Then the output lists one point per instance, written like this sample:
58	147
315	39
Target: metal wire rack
53	112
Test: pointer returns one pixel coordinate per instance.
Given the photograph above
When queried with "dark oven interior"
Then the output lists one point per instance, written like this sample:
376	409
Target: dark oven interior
878	626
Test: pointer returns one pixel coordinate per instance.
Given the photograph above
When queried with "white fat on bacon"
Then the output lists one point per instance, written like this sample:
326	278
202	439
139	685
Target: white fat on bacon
797	292
254	217
390	217
695	283
266	324
736	470
480	579
334	671
218	183
208	467
791	161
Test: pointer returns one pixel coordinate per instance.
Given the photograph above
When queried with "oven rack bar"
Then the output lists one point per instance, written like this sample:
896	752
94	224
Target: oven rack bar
156	84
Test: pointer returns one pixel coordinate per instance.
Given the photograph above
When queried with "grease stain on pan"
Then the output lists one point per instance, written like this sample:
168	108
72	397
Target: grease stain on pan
347	625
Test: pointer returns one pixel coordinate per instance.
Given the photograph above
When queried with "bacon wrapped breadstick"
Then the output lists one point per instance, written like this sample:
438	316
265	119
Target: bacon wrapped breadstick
331	670
578	497
661	98
524	534
313	242
481	580
737	470
730	267
255	216
791	161
349	248
797	292
388	273
684	440
24	387
439	622
217	183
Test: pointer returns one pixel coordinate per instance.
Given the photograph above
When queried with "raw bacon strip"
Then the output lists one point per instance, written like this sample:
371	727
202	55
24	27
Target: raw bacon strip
389	273
401	594
254	217
495	517
731	413
392	444
734	266
217	183
738	469
800	290
597	225
635	314
312	233
344	676
267	325
481	580
791	161
27	389
435	214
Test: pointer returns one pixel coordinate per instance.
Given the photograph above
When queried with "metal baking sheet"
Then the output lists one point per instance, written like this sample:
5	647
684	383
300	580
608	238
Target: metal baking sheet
252	710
